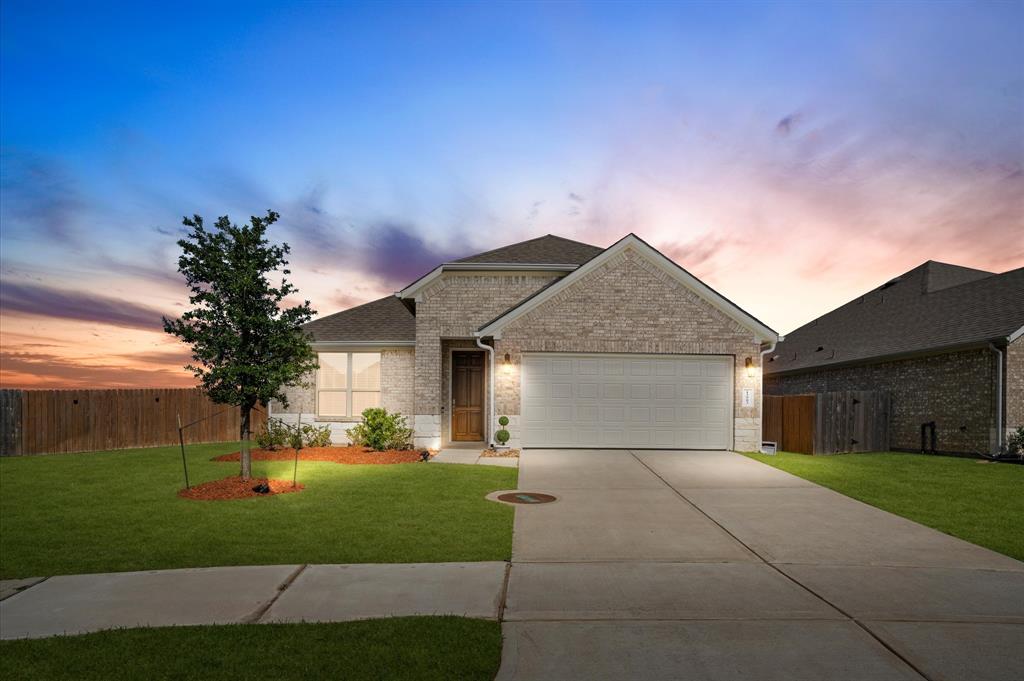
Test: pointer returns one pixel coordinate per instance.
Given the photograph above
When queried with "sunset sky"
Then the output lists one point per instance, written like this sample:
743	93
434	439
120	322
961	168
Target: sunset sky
792	155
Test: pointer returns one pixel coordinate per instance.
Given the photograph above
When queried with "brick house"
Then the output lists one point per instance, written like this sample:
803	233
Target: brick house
947	342
577	345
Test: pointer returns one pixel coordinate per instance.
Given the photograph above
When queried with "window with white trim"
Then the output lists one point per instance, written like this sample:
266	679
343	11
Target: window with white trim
347	383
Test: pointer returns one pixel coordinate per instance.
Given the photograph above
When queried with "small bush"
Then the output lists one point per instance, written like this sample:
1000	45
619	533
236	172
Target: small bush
502	436
381	430
502	421
274	436
316	436
1015	443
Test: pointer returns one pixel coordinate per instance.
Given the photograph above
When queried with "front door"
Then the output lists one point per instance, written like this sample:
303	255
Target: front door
467	396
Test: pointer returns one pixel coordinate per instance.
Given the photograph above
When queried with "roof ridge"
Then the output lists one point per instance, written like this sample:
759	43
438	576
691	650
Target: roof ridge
520	243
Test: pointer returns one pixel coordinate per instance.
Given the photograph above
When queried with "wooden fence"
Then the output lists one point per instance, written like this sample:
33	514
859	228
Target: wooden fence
828	423
60	421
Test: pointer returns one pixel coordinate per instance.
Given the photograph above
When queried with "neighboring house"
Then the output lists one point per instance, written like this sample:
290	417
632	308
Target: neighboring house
945	341
579	346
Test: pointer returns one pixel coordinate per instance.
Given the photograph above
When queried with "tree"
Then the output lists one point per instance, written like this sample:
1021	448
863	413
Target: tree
245	346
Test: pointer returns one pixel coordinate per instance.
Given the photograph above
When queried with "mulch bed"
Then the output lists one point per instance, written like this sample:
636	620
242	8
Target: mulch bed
236	488
501	453
350	454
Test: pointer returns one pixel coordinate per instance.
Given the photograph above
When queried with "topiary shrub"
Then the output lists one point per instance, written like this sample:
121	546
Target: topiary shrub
381	430
502	436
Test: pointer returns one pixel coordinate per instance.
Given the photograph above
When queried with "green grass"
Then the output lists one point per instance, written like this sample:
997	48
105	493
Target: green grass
402	648
117	511
979	502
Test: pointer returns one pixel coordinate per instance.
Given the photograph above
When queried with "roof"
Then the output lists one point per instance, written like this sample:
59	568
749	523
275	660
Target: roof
387	320
728	307
932	307
544	250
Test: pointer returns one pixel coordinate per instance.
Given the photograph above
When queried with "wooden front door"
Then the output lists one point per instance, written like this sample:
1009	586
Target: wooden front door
467	396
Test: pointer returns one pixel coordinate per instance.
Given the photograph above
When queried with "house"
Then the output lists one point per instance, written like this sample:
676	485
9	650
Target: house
944	340
579	346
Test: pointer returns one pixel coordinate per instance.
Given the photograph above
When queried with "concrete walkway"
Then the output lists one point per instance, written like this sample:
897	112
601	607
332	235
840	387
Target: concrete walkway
709	565
469	455
76	604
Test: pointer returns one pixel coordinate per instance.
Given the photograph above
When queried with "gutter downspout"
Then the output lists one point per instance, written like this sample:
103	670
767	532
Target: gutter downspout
770	349
999	397
490	400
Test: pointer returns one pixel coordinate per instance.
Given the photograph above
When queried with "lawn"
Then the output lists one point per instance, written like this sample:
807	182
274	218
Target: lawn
117	511
401	648
980	502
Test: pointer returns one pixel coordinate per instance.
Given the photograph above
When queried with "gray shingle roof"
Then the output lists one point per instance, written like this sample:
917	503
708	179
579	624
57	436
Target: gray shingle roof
544	250
387	319
932	306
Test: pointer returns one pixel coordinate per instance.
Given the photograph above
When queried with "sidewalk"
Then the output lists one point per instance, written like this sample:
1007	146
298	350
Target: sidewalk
76	604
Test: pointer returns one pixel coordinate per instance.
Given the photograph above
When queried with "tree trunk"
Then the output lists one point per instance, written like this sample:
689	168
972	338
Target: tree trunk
246	455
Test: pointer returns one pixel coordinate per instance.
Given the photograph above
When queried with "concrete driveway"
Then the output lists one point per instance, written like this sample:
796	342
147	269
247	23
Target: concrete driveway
710	565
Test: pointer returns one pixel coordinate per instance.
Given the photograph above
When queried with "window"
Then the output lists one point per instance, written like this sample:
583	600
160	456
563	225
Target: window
347	383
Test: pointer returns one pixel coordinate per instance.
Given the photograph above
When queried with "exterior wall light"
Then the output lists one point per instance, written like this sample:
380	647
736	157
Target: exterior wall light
751	369
506	365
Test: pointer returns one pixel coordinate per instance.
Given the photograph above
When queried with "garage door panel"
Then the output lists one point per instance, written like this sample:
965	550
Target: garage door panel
561	391
593	400
613	391
639	391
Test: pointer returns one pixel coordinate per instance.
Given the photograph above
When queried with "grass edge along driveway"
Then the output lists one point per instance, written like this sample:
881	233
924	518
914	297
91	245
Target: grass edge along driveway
976	501
425	648
119	511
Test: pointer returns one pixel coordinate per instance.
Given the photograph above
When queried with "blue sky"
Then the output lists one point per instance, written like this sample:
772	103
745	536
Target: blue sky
792	154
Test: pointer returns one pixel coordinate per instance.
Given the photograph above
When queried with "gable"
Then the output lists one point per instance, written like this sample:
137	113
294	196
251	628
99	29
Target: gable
628	272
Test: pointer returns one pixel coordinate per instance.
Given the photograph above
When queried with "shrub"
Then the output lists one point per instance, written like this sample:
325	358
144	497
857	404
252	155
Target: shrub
381	430
274	436
1015	443
316	436
278	434
502	436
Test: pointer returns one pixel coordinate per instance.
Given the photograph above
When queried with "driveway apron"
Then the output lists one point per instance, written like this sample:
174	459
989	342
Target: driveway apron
710	565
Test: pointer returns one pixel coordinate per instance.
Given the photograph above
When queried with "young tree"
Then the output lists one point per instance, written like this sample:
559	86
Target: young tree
245	347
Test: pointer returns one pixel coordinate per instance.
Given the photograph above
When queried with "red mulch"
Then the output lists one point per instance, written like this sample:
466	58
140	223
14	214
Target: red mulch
348	454
236	488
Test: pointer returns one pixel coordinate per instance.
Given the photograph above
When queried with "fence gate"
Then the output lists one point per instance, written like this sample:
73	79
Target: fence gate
828	423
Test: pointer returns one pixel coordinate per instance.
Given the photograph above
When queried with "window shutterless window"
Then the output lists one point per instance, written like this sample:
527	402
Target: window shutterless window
347	383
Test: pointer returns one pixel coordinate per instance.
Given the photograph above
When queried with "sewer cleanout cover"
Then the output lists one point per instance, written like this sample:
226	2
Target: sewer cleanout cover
526	498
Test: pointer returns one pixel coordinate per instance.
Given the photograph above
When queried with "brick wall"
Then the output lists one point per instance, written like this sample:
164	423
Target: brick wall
956	390
455	306
629	304
1015	384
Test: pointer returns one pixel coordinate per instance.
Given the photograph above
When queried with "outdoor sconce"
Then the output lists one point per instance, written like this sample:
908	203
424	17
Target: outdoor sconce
506	365
751	369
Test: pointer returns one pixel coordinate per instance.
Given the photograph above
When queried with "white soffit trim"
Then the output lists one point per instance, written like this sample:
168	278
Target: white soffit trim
1015	335
632	241
414	288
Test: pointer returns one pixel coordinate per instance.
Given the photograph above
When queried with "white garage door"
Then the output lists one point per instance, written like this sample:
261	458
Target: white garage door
604	400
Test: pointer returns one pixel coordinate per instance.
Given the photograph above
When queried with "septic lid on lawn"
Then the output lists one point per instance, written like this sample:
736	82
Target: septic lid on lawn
526	498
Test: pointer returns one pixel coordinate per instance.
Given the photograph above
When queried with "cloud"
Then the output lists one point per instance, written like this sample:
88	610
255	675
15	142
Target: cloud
786	125
44	301
39	370
694	254
398	255
41	198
